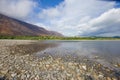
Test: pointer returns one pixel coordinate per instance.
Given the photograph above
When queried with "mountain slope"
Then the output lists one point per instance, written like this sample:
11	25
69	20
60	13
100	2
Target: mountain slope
13	27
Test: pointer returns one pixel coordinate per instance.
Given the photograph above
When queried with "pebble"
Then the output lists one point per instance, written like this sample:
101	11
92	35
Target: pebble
100	76
4	71
14	74
84	67
28	67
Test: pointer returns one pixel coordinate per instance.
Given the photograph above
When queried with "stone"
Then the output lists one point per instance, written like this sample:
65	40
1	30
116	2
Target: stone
4	71
84	67
100	76
13	74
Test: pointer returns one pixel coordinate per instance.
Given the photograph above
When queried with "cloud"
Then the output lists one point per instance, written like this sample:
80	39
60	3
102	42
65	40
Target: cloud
42	25
117	5
108	24
112	0
70	14
70	17
19	9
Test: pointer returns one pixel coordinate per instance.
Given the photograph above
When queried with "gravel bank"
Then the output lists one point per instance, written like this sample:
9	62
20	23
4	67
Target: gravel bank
18	63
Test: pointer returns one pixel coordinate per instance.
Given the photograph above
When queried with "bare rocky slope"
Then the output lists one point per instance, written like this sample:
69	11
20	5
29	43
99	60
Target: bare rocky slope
14	27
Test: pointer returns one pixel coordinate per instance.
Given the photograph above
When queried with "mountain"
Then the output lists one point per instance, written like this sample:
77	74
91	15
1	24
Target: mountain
14	27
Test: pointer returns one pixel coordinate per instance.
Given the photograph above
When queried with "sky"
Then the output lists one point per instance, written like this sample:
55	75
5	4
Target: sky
69	17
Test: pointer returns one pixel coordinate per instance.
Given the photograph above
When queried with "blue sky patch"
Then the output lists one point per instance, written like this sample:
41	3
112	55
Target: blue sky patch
69	17
117	3
48	3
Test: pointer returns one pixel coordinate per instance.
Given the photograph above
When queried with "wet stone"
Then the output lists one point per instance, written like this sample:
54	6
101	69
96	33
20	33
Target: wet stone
28	67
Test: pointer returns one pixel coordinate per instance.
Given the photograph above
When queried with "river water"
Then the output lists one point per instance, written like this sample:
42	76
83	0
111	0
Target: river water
105	52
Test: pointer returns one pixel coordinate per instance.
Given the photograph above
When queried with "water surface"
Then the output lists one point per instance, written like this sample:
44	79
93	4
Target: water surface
106	52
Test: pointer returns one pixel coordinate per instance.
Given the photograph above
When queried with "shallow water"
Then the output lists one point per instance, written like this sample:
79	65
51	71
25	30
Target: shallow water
105	52
90	59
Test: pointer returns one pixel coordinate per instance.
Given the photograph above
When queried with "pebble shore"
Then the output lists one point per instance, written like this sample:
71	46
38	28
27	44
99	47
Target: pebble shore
18	64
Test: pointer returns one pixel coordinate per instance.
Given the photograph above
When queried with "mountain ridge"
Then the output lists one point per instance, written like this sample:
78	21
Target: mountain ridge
13	27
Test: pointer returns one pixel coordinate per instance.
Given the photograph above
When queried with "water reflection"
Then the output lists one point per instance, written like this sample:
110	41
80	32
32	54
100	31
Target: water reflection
106	51
31	48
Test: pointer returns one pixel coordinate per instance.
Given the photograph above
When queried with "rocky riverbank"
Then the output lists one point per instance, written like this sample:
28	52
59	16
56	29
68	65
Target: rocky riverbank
17	64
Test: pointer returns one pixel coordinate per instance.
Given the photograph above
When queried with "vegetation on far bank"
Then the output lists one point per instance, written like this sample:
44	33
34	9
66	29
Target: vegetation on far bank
57	38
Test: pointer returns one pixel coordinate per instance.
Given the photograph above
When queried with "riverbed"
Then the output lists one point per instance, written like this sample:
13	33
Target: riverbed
59	60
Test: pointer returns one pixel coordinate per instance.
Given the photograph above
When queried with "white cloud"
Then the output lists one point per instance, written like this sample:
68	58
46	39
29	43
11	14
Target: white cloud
70	14
42	25
108	24
52	13
19	9
71	17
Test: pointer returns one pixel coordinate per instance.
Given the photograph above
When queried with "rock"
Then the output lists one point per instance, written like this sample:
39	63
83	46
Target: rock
96	57
47	66
108	78
22	76
37	77
87	77
84	67
28	75
2	78
4	71
62	68
70	63
116	65
100	76
13	74
28	67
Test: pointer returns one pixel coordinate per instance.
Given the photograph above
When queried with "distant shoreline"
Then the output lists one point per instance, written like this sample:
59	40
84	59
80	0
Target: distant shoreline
59	38
55	40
